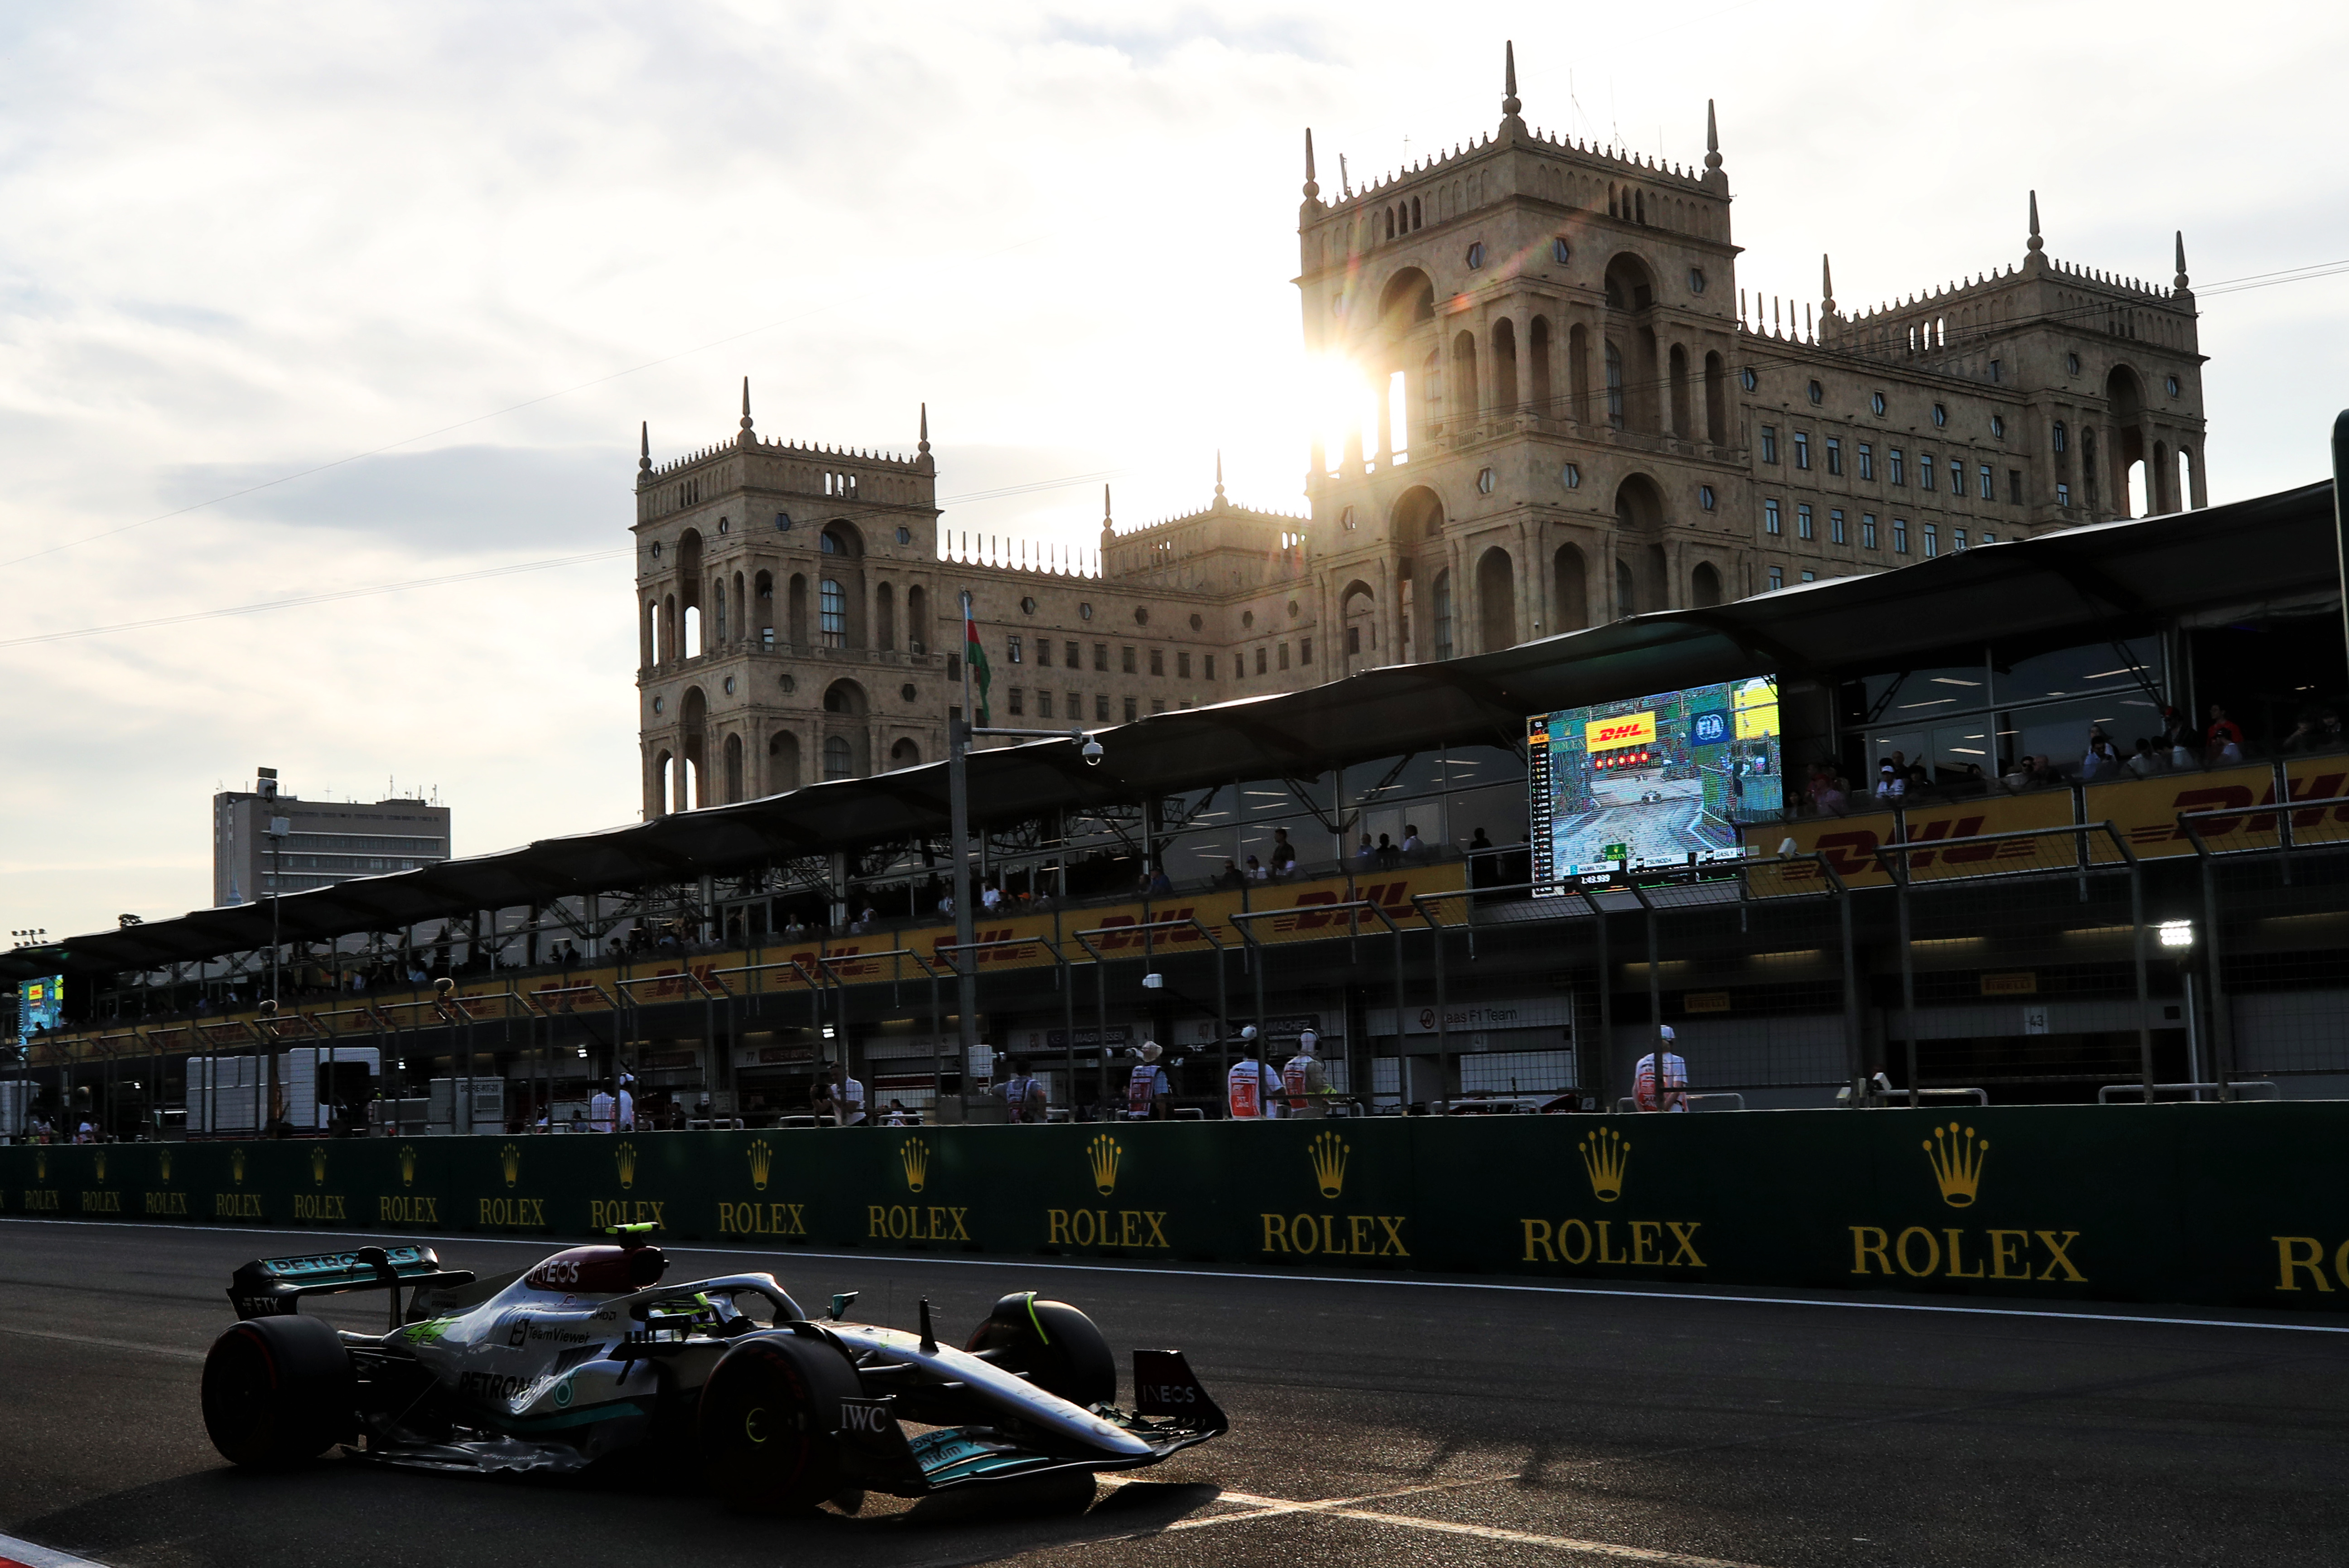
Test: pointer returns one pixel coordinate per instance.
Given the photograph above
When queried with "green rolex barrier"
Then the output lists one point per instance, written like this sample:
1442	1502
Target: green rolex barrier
2242	1204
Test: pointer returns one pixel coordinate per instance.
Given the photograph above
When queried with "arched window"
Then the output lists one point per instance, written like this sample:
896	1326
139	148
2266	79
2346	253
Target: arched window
693	631
1390	223
831	607
1414	212
2063	437
1442	599
839	763
1614	385
720	597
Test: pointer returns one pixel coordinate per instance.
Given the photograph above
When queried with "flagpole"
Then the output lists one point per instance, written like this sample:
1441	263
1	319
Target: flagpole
958	728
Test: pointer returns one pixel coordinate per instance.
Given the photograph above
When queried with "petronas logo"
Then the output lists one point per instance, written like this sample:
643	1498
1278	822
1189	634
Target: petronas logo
914	1156
624	1156
318	1165
1104	1155
1329	1154
407	1165
1957	1162
509	1161
762	1160
1604	1156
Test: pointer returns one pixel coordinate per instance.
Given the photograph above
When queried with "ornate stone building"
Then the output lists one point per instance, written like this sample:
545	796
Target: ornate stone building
1579	417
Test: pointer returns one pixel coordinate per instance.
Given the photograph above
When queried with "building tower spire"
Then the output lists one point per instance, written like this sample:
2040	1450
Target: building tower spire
922	458
1826	287
1310	208
645	448
1220	503
2181	281
748	437
1714	179
1511	124
1109	530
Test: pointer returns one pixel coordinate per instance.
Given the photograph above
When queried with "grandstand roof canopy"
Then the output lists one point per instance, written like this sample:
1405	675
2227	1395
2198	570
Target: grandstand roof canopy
2092	581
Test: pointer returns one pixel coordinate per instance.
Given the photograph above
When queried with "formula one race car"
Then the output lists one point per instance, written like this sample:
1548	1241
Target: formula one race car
588	1357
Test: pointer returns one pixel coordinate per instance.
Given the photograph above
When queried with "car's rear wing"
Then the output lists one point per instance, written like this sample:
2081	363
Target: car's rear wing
269	1287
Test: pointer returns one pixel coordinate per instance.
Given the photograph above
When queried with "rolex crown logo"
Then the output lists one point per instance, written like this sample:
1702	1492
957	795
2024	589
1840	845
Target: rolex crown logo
915	1155
164	1160
1329	1154
510	1162
41	1165
319	1167
236	1166
762	1160
1104	1155
1957	1158
1604	1156
407	1165
100	1162
624	1156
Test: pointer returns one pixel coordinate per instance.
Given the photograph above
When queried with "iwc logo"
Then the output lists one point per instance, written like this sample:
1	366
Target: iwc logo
1604	1156
762	1162
1103	1156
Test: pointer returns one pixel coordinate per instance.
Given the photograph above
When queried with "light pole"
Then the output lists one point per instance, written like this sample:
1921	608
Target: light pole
266	790
959	731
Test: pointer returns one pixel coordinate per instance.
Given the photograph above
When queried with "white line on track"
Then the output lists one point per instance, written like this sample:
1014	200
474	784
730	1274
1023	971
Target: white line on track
15	1554
1388	1280
1255	1508
103	1344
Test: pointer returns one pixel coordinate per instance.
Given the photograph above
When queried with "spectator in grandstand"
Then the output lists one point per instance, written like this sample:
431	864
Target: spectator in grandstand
1283	854
1413	850
1304	1086
1973	781
2102	764
2316	732
2144	762
2178	737
839	1099
1157	884
1230	876
1385	854
1675	1078
1891	781
990	897
2223	741
1254	872
1480	860
1366	854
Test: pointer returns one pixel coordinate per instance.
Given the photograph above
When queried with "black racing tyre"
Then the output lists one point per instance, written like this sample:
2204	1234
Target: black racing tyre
766	1422
278	1390
1054	1344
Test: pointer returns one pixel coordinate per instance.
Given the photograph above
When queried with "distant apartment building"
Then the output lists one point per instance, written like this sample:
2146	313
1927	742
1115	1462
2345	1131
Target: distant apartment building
327	842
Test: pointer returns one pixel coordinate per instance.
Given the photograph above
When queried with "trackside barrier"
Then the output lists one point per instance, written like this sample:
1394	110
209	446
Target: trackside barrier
2232	1204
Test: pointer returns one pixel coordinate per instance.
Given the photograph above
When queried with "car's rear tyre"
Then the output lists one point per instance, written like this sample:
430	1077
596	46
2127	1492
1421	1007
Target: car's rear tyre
1054	1344
766	1421
278	1390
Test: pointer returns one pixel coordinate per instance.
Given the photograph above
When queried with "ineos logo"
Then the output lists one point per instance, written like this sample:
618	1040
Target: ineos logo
1172	1393
558	1272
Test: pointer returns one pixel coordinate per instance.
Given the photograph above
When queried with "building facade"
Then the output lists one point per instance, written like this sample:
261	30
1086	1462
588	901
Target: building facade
329	842
1579	416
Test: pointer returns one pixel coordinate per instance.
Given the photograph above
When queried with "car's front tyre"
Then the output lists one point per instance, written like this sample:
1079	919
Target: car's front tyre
278	1390
1054	1344
766	1421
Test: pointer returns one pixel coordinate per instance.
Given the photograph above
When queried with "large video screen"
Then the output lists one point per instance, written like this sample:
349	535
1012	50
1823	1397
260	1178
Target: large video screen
40	1003
1652	781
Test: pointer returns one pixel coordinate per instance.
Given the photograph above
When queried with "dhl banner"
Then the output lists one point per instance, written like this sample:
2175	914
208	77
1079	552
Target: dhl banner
1299	911
1850	844
2147	811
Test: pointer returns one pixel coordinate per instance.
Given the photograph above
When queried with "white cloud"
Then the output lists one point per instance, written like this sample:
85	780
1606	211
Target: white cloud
248	238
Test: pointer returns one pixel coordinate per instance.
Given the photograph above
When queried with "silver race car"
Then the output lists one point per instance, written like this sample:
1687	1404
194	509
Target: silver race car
590	1357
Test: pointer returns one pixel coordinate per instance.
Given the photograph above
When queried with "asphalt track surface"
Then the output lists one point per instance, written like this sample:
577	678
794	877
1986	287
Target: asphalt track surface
1426	1422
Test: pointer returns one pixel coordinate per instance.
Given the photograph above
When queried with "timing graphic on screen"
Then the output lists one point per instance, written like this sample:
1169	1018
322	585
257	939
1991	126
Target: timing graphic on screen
40	1003
1652	782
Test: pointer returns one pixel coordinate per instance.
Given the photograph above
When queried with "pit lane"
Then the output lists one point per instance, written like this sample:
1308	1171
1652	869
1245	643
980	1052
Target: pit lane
1462	1421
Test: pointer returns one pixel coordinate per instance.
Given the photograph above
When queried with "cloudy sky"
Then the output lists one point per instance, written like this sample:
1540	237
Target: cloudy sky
299	301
